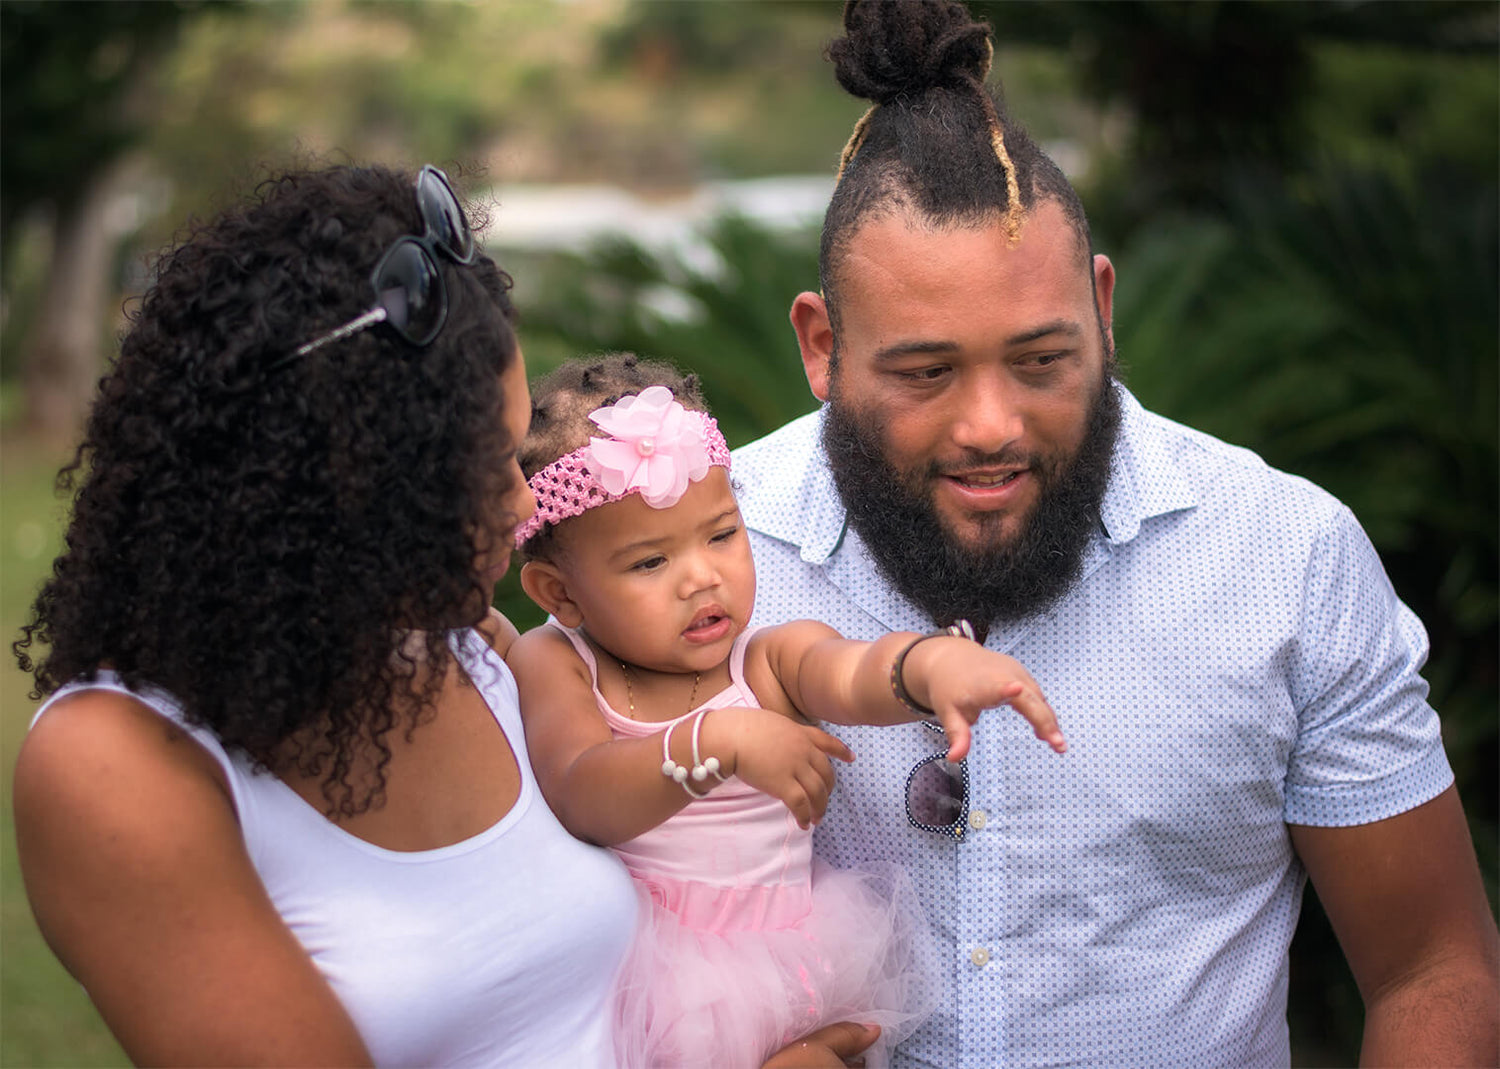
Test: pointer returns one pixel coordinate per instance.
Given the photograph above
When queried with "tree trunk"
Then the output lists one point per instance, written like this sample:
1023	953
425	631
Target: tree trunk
65	350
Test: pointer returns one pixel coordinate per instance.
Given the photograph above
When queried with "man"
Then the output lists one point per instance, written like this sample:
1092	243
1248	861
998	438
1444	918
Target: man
1238	681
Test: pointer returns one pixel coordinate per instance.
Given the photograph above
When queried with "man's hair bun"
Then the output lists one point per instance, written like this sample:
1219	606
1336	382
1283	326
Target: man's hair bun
892	48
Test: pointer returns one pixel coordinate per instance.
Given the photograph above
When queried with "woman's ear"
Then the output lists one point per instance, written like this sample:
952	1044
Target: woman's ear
544	584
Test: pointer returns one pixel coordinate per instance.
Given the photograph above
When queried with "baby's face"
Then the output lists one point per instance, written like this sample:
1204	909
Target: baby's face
667	589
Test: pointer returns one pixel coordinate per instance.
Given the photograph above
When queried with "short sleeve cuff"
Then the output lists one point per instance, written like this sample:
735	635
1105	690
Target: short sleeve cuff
1347	804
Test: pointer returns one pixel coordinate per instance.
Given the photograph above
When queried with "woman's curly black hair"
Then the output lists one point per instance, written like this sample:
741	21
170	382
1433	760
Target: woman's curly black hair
281	547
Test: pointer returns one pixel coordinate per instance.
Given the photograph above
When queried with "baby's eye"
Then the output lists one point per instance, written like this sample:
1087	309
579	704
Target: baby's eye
725	535
649	564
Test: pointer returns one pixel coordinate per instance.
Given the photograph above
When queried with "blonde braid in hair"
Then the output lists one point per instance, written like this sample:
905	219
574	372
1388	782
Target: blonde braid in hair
1015	214
856	139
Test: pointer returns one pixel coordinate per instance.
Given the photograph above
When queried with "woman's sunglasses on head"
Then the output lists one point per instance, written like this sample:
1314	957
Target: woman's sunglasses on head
410	295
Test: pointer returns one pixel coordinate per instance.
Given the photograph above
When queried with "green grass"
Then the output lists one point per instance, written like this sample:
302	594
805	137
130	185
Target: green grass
46	1019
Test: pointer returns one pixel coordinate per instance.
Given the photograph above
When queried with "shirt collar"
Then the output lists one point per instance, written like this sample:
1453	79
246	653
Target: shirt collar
1144	479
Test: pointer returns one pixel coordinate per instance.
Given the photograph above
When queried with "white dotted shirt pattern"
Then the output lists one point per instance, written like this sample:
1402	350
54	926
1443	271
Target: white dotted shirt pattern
1232	660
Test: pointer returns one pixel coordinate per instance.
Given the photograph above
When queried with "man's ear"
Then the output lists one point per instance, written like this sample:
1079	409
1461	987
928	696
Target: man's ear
815	338
1104	294
545	585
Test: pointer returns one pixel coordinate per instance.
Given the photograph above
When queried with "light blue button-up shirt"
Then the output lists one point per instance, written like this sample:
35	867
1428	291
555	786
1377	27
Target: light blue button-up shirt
1233	659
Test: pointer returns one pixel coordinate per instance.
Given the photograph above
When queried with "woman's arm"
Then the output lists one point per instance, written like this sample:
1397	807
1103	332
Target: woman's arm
826	677
138	876
606	790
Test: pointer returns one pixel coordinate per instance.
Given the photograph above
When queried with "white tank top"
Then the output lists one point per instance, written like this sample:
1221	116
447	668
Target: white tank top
500	950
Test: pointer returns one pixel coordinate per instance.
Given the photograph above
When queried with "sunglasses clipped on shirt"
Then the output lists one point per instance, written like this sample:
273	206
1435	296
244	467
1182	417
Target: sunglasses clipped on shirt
937	791
410	295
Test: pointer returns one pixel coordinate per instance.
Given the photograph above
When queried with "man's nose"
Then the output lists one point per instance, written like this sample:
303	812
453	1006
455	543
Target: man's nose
987	417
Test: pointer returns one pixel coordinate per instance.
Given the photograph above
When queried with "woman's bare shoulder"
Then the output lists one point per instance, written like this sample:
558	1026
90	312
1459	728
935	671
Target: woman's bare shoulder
499	632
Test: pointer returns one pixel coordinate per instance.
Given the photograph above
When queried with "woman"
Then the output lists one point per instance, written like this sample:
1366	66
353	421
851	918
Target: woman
278	808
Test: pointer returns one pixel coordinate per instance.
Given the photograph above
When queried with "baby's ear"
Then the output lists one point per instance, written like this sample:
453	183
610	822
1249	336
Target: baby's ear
545	585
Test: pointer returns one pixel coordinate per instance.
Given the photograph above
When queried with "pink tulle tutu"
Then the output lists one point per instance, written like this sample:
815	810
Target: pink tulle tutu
725	976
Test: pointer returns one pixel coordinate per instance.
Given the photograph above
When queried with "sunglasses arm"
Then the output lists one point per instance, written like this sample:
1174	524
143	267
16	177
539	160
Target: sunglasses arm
378	314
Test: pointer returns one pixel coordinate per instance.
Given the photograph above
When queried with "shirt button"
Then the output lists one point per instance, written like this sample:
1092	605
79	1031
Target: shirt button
980	956
978	819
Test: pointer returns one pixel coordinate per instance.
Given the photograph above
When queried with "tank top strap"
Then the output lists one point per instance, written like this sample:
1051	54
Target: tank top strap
737	664
237	771
582	647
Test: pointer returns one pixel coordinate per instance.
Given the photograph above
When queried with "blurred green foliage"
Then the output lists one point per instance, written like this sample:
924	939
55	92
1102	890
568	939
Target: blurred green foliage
1300	200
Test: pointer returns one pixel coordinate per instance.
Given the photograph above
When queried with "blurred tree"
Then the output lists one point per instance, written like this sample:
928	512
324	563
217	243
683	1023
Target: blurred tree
72	78
1217	89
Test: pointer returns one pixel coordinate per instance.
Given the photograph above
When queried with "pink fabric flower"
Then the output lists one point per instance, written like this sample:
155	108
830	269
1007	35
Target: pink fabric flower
655	446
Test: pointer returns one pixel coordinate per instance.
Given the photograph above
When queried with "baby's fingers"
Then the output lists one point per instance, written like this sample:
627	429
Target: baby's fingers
816	789
828	744
798	802
956	727
1030	704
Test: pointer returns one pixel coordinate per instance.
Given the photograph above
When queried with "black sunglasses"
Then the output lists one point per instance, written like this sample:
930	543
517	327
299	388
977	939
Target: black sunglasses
937	792
410	295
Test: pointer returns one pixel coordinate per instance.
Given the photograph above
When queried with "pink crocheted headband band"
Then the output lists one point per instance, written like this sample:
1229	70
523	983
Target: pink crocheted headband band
655	448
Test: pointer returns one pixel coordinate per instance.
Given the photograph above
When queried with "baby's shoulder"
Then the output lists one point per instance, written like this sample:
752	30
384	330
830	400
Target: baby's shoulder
542	645
498	631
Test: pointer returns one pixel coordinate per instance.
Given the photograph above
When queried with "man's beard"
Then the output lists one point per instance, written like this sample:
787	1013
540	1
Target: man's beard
894	513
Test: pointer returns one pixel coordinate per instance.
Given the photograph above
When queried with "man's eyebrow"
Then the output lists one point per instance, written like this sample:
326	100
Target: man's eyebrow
896	350
1058	326
899	349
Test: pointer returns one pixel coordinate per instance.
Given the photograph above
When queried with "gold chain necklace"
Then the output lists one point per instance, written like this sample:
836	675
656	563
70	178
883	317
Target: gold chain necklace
630	696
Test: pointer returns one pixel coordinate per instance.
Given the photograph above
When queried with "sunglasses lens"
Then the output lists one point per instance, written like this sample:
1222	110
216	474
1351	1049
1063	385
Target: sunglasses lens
935	794
411	291
443	216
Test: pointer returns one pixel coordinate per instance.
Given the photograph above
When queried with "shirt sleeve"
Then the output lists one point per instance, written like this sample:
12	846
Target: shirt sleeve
1369	746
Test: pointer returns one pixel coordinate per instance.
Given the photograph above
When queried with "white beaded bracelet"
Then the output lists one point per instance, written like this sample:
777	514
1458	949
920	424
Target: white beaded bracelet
671	769
703	769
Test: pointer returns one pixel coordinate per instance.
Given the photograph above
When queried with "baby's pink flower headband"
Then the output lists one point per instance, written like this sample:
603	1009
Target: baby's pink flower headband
655	448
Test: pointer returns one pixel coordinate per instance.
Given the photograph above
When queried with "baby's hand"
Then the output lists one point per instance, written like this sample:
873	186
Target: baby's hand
959	679
777	756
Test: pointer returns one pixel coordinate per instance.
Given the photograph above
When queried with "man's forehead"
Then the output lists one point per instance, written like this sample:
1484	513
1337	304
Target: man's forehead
903	268
1045	223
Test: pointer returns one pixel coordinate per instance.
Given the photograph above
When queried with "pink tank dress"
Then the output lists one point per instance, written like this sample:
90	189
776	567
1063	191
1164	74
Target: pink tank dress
747	942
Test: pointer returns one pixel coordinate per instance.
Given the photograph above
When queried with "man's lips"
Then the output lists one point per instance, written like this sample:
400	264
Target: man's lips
988	490
985	480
